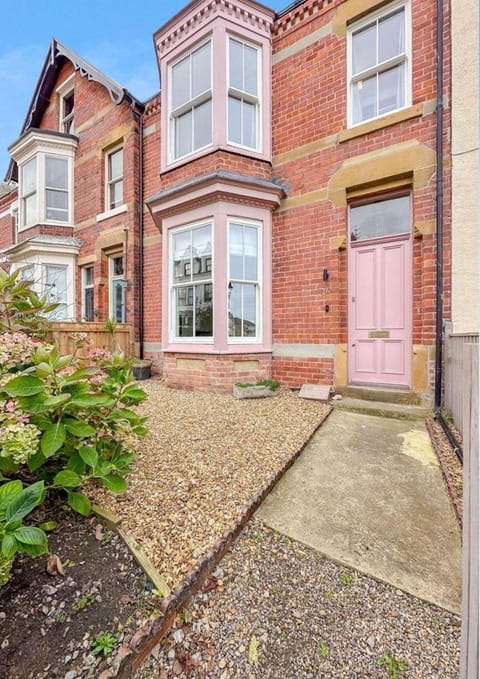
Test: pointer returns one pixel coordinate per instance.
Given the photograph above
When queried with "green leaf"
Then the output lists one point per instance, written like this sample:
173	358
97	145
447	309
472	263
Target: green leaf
8	492
80	374
76	464
79	429
55	401
91	400
36	461
79	502
114	483
67	479
253	650
89	456
24	385
9	546
25	501
132	392
33	550
48	525
140	431
30	535
8	466
53	438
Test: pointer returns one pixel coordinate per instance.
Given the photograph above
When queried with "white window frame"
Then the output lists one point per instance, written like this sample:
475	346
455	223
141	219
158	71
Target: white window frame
258	339
23	224
174	114
89	286
172	287
246	96
64	91
109	182
56	189
406	59
116	277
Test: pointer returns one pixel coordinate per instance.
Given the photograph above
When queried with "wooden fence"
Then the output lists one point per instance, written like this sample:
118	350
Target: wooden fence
122	339
461	398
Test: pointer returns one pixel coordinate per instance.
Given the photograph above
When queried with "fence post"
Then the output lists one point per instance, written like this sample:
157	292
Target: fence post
469	660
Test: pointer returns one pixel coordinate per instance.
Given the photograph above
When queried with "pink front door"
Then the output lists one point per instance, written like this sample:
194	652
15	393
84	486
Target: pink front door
380	345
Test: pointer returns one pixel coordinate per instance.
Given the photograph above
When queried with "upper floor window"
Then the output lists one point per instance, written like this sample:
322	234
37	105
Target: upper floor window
67	102
191	102
243	93
114	173
45	190
379	64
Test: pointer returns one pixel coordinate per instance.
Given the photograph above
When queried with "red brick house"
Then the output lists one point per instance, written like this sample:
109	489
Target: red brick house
271	212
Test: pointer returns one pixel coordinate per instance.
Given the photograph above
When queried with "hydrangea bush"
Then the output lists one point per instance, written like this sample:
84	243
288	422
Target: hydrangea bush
65	422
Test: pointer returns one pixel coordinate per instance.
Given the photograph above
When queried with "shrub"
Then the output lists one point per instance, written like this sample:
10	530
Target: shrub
65	421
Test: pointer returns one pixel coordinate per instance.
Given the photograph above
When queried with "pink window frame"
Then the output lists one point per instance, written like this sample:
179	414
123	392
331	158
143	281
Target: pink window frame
220	213
219	30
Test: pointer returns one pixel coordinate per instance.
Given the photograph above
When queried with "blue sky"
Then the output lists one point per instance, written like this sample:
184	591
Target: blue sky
114	36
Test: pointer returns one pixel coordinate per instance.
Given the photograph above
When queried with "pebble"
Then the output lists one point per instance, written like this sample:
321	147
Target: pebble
71	675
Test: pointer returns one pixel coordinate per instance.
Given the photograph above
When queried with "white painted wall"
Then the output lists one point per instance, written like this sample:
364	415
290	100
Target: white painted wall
465	166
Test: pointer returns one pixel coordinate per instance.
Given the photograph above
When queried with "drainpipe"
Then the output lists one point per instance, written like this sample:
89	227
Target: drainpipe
140	277
439	218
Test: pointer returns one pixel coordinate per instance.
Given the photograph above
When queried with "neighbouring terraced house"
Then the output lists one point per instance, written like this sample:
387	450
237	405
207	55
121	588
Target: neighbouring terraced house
275	210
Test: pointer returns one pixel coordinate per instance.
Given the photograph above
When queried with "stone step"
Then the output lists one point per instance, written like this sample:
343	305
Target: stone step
383	394
382	409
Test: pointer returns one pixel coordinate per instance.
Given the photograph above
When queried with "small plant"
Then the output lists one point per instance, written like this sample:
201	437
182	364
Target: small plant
330	596
346	578
86	600
60	618
107	537
392	664
104	643
271	384
323	649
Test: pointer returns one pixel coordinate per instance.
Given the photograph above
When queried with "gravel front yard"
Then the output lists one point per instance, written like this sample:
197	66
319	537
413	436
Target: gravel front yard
277	609
205	457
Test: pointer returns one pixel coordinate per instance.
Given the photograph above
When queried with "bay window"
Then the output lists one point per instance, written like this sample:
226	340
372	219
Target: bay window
28	192
55	287
191	102
379	63
56	189
243	93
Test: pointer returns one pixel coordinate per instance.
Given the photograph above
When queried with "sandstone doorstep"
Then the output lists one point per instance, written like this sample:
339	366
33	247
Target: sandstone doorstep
315	392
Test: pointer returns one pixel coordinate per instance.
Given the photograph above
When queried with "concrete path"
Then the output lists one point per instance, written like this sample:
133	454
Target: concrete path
368	492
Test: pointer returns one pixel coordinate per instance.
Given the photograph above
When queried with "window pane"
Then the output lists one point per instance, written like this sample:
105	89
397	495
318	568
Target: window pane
236	251
88	311
236	64
364	49
202	124
29	177
391	36
202	251
30	209
181	82
184	312
56	171
250	70
182	254
203	312
115	165
234	120
384	218
201	70
88	275
235	310
250	251
117	266
68	103
249	124
56	284
365	99
118	298
183	134
57	199
391	89
249	310
116	194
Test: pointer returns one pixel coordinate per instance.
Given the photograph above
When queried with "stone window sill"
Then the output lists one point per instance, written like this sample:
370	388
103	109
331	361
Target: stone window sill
112	213
379	123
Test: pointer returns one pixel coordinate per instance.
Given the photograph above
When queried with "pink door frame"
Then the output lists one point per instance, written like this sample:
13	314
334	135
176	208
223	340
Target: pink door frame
384	307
